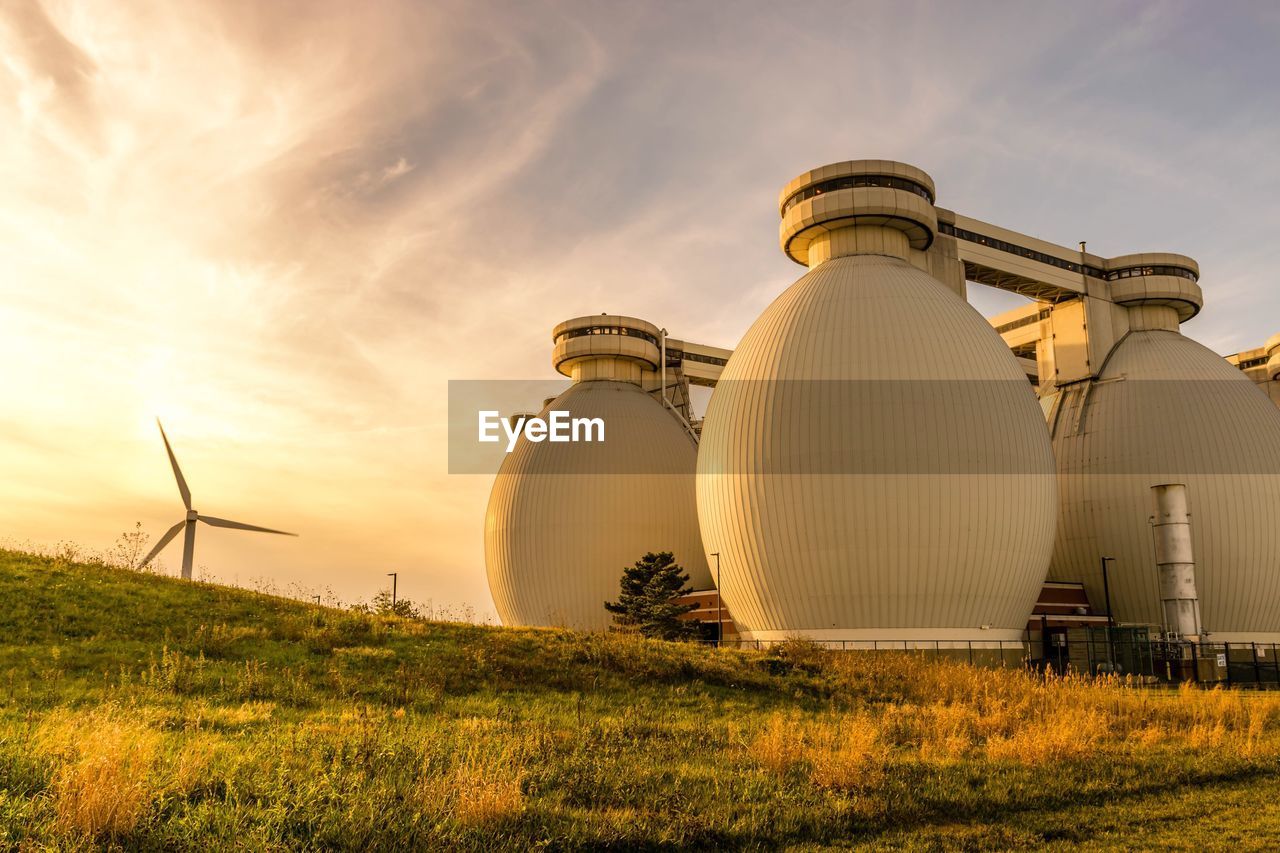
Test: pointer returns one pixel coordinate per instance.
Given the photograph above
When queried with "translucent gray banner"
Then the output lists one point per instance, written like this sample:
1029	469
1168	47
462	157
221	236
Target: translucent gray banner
1165	428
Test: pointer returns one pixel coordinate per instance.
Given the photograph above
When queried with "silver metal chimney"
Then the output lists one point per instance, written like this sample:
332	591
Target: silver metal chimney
1175	561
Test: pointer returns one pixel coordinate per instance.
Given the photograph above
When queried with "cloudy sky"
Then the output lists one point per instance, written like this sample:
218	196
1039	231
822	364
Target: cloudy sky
284	227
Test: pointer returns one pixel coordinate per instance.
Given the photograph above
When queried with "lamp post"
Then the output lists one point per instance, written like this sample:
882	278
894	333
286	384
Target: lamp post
719	619
1111	622
1106	590
392	575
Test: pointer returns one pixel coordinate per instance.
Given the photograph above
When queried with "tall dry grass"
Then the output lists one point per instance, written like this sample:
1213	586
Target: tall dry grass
842	752
101	784
942	713
486	792
848	755
481	788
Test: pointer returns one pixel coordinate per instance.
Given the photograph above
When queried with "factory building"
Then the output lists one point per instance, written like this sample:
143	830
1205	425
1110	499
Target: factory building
879	462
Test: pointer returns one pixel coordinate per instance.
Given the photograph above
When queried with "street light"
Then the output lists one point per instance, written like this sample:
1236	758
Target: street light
392	575
1106	590
1111	622
719	619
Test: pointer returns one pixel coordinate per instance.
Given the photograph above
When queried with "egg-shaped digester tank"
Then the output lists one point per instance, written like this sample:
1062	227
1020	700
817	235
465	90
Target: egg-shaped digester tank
1165	409
873	464
565	519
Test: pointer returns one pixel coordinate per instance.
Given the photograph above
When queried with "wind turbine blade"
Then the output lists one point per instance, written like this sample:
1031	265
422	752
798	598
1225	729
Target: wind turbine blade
164	540
238	525
177	472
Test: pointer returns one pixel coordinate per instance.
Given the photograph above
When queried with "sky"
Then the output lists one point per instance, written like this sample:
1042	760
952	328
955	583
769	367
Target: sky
284	227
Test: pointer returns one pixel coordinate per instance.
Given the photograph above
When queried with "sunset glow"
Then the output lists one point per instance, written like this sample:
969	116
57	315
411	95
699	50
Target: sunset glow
283	228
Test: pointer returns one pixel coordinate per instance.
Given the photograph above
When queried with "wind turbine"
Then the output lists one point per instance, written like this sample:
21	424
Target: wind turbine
189	523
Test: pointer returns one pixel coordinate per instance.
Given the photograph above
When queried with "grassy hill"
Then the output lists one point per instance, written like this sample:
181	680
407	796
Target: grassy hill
143	712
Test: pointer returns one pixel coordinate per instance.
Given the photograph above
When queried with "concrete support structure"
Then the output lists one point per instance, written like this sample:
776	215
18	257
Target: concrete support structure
1068	338
1262	366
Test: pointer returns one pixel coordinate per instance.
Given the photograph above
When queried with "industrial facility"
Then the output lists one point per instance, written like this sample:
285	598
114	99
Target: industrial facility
878	462
564	519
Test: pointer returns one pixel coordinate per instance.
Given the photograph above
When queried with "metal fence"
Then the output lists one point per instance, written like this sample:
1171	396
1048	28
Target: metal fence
1123	650
991	653
1137	651
1235	664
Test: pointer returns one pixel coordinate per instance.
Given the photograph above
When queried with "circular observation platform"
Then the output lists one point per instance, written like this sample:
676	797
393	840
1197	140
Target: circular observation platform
1156	278
879	194
605	336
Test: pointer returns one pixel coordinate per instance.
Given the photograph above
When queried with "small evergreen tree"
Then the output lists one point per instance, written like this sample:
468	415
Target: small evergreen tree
647	601
403	607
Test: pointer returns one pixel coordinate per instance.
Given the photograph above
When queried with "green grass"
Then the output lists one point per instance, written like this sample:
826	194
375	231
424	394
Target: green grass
147	713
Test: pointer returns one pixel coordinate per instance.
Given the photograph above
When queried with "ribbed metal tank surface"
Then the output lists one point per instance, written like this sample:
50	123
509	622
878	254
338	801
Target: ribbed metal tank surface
565	519
873	464
1168	410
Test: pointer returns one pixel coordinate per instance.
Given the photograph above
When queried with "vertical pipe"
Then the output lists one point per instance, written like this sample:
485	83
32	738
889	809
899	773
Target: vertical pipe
662	337
1175	561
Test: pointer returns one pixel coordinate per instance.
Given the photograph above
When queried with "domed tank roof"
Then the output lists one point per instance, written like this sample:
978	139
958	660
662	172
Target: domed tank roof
1167	410
873	464
565	519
